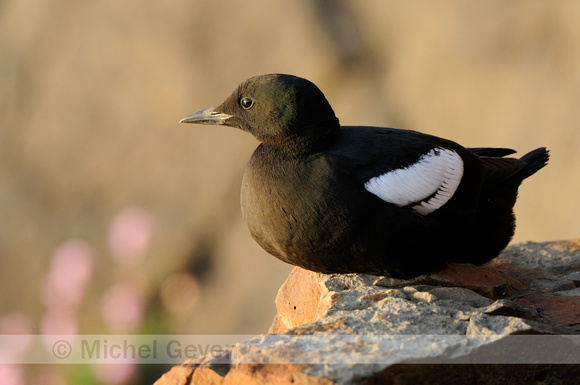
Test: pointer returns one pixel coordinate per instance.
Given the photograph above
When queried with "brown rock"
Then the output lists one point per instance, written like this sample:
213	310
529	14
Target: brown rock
484	280
508	267
297	300
206	375
277	325
562	309
266	374
179	375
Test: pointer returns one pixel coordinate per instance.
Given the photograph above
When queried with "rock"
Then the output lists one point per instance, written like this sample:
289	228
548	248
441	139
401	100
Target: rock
182	374
521	308
289	311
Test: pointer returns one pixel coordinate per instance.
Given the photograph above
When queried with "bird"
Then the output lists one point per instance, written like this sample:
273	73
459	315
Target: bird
362	199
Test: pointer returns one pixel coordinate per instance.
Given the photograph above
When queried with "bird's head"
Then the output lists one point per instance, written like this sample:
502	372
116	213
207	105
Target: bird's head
277	109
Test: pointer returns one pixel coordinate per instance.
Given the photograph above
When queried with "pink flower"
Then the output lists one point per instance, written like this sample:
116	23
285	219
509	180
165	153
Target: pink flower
58	323
70	271
122	307
131	234
11	374
16	332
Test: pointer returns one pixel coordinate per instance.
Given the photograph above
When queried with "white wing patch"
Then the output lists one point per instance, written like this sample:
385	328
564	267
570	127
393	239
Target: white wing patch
426	185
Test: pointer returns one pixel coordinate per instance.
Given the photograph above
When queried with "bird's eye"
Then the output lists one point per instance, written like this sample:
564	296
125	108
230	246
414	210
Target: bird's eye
247	103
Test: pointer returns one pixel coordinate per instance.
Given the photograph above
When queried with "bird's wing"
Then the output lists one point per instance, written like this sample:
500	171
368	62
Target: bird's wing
425	185
498	170
490	151
406	168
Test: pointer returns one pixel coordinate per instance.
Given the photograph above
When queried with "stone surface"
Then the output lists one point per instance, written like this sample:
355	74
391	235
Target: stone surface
463	324
290	312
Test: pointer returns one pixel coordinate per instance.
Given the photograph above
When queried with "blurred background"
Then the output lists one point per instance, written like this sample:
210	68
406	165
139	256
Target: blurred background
116	219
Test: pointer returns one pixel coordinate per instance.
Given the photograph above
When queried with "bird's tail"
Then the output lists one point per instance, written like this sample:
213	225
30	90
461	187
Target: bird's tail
534	160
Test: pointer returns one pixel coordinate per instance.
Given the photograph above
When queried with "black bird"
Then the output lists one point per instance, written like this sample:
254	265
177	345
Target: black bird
345	199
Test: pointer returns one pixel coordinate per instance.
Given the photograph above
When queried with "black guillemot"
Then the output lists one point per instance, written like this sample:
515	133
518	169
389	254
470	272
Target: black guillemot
350	199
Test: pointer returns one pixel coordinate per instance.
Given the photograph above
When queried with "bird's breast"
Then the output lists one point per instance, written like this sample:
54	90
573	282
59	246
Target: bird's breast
292	205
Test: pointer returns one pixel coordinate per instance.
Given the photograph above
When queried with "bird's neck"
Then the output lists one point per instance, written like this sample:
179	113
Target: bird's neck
311	138
310	144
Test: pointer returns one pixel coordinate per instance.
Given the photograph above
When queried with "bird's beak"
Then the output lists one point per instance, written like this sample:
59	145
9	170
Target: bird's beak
207	116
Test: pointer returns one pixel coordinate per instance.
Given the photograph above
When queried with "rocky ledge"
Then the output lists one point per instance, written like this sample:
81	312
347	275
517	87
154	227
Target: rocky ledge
514	320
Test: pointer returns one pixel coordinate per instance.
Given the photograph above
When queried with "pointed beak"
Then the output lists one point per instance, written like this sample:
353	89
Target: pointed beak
207	116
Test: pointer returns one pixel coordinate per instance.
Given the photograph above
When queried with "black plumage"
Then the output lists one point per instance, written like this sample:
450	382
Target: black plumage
343	199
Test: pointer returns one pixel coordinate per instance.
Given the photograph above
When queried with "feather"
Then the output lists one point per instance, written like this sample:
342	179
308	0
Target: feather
426	185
